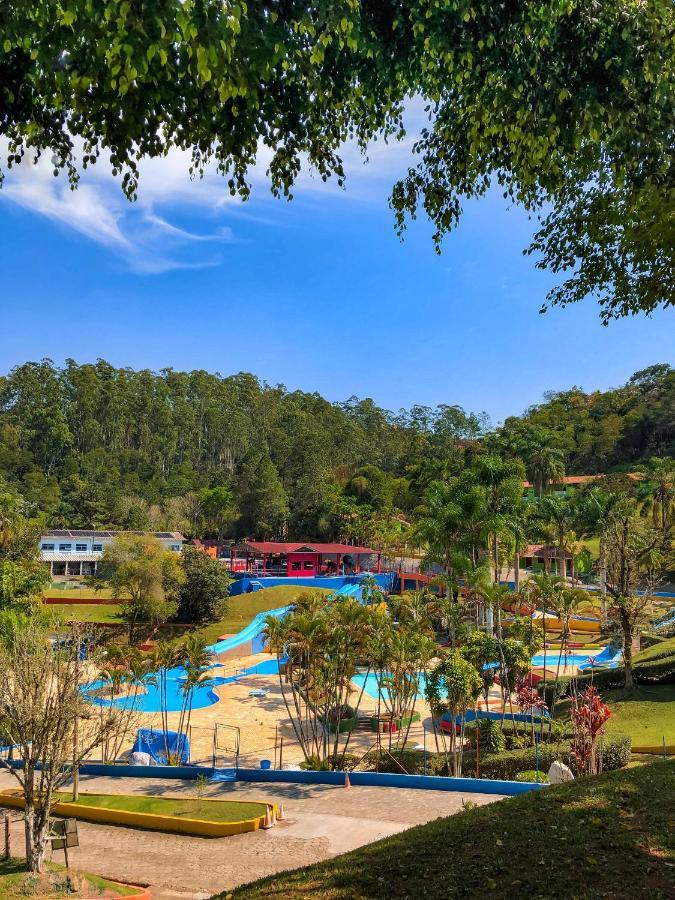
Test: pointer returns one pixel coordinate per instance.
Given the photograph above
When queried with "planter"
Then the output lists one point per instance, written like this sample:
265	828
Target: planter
344	726
385	725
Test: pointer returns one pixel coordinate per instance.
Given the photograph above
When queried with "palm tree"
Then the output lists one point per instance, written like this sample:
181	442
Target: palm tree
545	466
494	595
560	514
565	603
596	517
197	660
502	483
658	493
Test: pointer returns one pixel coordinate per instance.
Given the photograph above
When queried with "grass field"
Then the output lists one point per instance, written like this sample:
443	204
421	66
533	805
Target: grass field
647	714
593	838
209	810
80	612
240	611
15	882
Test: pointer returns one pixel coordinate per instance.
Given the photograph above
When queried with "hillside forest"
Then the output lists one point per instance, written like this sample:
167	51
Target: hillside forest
93	445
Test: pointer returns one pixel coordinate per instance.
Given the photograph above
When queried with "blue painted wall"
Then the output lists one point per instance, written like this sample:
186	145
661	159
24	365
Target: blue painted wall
241	585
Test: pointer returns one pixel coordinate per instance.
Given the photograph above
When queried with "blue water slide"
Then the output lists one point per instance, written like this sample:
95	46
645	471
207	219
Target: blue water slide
156	744
609	658
251	631
668	619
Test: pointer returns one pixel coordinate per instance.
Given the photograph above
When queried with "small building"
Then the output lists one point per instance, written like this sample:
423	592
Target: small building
566	486
544	556
75	553
298	560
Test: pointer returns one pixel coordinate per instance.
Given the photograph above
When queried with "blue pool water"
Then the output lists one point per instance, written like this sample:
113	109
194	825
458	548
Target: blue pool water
203	696
572	659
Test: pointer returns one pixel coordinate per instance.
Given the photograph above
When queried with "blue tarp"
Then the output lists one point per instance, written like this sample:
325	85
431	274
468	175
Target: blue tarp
154	743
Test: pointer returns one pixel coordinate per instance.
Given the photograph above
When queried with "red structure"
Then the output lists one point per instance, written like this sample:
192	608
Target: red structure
303	560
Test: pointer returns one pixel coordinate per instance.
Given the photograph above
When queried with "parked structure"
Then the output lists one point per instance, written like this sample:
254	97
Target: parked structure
75	553
296	560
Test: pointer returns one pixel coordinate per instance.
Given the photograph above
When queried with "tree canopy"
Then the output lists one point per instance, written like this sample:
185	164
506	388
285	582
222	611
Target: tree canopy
560	102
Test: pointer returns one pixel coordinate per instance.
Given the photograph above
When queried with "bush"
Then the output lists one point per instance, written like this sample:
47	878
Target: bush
616	750
660	650
492	739
658	671
615	754
532	776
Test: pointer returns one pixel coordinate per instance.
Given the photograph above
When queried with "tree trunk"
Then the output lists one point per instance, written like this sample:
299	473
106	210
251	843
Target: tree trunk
628	654
36	828
516	570
603	584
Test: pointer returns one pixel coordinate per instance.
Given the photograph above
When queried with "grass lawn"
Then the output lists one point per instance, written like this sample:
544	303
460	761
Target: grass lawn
240	611
243	608
55	882
212	811
602	837
646	714
56	590
80	612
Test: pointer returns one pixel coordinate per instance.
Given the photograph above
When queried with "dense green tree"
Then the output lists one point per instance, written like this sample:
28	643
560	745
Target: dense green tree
555	102
202	597
143	575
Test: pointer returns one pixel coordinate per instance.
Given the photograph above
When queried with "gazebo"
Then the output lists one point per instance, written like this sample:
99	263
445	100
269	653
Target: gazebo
297	560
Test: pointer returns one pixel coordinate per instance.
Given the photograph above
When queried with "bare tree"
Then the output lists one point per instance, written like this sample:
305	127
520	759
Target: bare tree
47	720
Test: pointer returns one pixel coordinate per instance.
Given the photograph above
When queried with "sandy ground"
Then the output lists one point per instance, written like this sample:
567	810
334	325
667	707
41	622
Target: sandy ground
321	821
262	721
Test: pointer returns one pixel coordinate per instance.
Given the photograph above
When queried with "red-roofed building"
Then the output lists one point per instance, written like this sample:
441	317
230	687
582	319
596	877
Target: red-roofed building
570	482
302	560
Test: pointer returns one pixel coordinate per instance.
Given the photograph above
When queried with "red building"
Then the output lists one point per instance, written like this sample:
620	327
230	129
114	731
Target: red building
298	560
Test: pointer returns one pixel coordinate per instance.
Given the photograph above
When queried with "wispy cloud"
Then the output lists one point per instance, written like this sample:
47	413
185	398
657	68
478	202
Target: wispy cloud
149	236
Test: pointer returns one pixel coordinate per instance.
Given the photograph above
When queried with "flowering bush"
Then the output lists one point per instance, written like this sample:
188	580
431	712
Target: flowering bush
589	715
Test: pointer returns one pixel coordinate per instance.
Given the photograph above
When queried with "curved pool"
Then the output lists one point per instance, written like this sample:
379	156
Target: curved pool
203	696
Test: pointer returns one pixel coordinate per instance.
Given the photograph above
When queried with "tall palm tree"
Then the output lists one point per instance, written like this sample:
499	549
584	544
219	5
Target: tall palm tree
502	483
597	512
494	596
561	515
545	466
197	660
658	493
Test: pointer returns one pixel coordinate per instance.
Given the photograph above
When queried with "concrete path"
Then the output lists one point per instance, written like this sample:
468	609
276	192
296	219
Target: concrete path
322	821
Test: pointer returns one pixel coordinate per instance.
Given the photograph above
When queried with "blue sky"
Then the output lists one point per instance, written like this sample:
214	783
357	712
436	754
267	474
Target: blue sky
317	294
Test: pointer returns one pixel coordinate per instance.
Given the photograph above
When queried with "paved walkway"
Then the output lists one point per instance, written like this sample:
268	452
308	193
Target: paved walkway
322	821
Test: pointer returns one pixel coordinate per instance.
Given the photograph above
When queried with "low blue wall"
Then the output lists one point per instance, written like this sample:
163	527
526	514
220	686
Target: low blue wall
241	585
385	779
283	776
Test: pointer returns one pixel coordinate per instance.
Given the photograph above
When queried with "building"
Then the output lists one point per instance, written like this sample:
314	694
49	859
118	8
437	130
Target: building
544	556
570	483
297	560
75	553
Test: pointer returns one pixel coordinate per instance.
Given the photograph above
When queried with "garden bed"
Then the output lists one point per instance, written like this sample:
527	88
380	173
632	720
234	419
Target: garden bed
56	881
206	818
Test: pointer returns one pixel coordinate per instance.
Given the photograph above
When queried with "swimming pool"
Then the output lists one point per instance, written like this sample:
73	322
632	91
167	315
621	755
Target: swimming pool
571	659
203	696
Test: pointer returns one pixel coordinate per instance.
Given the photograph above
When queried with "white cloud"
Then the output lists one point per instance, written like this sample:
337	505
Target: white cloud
142	233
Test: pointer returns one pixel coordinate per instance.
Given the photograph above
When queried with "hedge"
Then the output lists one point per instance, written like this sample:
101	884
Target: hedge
659	670
616	752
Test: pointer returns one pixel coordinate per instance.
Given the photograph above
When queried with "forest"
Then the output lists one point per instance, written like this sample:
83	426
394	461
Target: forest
92	445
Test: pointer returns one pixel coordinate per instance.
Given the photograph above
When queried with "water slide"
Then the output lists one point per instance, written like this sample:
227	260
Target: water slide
251	631
668	619
609	658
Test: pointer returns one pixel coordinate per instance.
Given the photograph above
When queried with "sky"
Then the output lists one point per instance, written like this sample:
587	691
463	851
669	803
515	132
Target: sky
318	294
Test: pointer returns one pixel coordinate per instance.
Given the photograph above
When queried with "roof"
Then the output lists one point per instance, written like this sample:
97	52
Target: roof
281	547
93	533
584	479
544	550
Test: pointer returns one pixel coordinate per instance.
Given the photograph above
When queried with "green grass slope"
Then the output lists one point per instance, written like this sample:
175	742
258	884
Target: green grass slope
606	837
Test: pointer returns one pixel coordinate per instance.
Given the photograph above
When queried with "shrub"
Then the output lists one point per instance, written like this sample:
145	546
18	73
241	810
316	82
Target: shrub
615	751
659	650
657	671
532	776
492	738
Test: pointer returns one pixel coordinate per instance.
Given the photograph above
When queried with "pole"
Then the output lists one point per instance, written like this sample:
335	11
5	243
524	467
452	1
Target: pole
8	838
281	751
477	747
76	768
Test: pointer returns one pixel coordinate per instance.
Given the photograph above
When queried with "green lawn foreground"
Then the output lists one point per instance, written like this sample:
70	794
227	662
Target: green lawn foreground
604	837
15	882
179	807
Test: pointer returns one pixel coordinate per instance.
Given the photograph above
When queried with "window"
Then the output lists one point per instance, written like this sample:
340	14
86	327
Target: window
309	566
80	548
175	547
48	547
97	548
64	548
295	567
